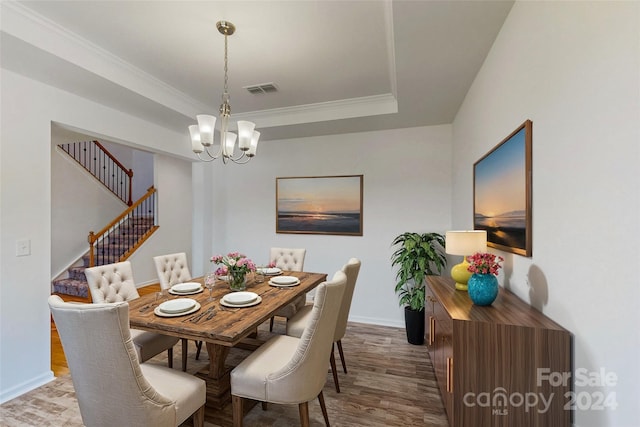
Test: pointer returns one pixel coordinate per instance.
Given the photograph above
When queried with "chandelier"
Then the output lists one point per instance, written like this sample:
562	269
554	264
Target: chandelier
202	133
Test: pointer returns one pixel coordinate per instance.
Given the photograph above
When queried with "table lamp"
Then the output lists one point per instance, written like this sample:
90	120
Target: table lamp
464	243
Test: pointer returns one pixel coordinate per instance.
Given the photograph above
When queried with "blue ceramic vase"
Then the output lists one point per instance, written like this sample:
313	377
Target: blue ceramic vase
482	288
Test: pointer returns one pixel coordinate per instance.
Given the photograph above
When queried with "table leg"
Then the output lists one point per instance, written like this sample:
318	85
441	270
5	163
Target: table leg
217	377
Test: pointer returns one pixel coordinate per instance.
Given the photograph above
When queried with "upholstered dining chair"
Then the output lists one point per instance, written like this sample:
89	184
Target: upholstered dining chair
289	259
112	387
172	269
114	283
297	324
289	370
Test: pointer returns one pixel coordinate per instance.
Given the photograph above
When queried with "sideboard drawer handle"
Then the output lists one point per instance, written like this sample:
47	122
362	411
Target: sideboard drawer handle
432	330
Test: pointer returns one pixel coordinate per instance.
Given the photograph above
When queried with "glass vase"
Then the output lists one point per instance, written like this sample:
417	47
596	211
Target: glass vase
482	288
237	281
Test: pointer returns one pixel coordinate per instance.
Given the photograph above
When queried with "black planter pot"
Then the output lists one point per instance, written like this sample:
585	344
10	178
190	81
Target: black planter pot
414	323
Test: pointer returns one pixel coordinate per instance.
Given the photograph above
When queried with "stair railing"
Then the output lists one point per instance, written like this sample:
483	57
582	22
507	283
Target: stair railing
140	214
100	163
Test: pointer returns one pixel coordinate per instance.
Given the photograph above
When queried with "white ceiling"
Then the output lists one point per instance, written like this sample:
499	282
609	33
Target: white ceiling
339	66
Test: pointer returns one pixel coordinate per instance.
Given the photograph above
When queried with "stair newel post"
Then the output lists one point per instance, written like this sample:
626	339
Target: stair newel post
130	173
92	239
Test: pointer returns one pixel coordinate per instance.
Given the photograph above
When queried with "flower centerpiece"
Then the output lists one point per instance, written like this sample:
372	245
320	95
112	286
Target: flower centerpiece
483	284
235	266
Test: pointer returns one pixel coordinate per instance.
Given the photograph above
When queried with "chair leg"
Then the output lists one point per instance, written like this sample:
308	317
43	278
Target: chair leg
324	408
334	371
237	410
344	364
185	350
303	408
170	357
271	324
264	406
198	348
198	417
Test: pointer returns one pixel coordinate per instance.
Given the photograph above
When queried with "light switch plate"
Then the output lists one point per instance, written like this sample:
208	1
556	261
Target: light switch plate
23	247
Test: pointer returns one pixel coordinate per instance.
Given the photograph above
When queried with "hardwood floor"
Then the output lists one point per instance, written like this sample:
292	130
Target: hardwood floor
389	383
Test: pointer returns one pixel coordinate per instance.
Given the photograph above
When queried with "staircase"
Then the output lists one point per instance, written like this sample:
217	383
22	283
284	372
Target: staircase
122	236
115	247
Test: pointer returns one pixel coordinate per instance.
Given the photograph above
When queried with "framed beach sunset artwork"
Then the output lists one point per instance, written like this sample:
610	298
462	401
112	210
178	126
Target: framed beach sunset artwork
502	193
319	205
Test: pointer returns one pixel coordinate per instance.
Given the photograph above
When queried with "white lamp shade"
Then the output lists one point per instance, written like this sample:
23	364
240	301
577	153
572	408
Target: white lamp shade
206	126
245	133
254	144
230	144
465	242
196	145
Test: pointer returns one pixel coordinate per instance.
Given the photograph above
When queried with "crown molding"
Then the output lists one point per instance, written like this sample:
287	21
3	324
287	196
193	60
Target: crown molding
324	111
22	22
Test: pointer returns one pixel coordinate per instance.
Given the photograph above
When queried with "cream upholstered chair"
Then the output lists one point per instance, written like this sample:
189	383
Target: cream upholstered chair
289	370
297	324
173	269
289	259
114	283
112	387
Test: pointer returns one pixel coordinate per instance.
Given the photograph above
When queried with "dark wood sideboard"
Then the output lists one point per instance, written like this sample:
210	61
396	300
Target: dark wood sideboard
498	365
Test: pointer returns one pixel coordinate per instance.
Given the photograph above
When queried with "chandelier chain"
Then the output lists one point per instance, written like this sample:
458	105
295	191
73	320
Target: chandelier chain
226	79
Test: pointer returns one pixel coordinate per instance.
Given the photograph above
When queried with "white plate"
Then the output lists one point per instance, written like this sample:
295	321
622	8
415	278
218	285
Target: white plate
197	291
273	271
285	280
186	287
280	285
240	298
256	302
184	313
224	278
178	305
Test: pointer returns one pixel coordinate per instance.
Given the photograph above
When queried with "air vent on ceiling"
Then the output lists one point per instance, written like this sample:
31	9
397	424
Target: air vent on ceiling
261	88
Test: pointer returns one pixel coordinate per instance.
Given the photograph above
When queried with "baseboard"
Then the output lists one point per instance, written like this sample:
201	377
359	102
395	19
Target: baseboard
26	387
377	321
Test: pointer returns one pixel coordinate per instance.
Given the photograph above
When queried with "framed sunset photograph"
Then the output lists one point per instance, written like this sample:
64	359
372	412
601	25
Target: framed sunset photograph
502	193
319	205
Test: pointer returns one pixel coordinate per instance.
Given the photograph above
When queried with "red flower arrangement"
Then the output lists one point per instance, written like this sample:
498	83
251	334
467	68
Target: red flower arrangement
484	263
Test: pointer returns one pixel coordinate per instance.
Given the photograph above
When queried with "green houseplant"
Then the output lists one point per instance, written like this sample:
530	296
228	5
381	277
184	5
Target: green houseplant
416	256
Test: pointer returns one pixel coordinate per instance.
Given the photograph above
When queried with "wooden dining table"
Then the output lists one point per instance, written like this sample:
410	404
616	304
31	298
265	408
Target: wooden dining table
220	327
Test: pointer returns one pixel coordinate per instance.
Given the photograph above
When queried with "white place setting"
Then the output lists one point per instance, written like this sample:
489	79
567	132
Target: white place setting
187	288
270	271
177	307
284	281
240	299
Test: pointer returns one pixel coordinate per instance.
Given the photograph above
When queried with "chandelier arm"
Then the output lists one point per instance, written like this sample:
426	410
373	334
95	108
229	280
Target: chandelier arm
213	156
210	159
238	160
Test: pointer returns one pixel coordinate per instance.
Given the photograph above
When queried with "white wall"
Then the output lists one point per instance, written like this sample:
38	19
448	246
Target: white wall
573	69
174	199
27	110
406	188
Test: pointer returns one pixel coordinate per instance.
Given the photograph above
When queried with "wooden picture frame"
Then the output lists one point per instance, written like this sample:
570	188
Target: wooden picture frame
319	205
502	193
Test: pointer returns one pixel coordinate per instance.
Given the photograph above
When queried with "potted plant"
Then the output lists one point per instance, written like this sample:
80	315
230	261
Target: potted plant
416	255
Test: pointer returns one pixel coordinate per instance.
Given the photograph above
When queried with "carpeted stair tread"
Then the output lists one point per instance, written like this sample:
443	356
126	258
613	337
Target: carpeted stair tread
115	244
73	287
